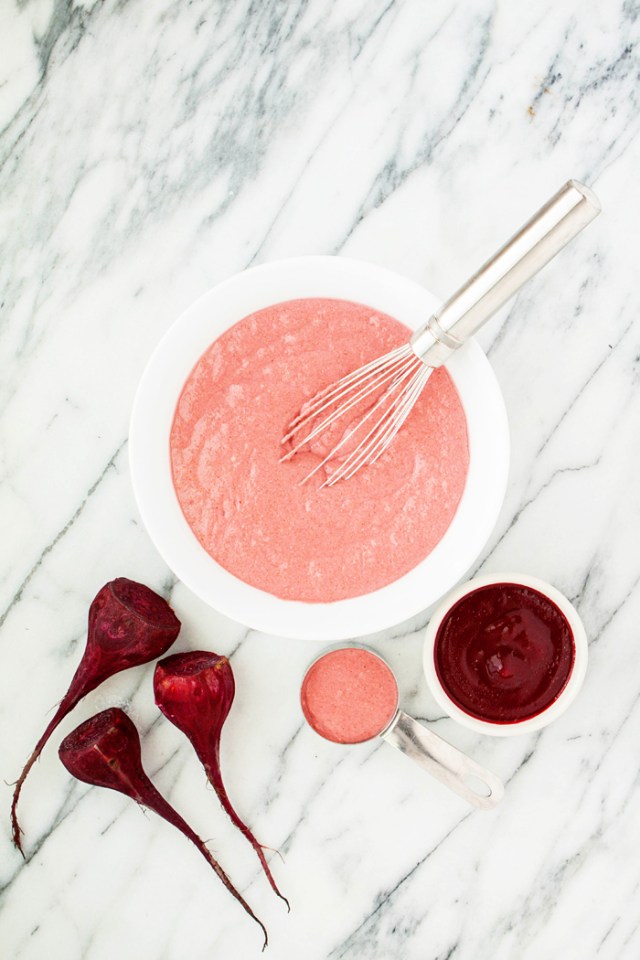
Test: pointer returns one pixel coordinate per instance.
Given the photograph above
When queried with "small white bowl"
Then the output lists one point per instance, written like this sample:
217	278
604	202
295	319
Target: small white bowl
160	387
566	696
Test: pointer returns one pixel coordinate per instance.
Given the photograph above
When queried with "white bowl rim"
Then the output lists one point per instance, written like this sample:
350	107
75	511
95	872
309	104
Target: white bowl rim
566	696
154	405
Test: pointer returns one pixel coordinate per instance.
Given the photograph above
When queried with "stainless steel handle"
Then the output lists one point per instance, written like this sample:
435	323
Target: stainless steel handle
535	244
444	762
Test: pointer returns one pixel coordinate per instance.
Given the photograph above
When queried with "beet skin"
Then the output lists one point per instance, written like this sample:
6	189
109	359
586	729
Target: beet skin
195	691
129	625
105	752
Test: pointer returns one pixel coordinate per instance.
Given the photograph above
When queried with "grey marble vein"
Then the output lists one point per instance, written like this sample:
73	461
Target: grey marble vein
147	151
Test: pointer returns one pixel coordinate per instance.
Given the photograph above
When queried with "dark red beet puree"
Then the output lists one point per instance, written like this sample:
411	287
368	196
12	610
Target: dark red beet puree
504	653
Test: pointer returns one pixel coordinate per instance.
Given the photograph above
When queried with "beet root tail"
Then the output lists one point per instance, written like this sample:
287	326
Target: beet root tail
215	779
232	890
66	705
156	802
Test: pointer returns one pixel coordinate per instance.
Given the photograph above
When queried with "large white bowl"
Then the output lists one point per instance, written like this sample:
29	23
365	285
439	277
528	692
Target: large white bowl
152	416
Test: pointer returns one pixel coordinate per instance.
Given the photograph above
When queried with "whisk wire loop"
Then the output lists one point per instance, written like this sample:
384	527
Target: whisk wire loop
357	388
331	393
385	429
399	377
362	452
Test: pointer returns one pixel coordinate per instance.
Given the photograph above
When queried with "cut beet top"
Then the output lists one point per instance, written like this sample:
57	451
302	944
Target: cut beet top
504	653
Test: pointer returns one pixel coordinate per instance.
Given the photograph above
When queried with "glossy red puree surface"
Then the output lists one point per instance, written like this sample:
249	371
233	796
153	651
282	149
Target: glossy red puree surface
349	695
248	510
504	653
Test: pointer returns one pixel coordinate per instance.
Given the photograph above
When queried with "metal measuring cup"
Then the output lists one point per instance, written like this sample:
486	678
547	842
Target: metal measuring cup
443	761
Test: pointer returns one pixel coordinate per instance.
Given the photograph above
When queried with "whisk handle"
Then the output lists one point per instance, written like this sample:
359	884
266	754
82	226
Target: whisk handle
530	249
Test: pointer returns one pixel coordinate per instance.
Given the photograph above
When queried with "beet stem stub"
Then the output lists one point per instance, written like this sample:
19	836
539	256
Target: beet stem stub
105	752
129	625
195	690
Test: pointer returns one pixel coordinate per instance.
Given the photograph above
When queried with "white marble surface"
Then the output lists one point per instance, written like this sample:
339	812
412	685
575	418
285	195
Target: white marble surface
147	151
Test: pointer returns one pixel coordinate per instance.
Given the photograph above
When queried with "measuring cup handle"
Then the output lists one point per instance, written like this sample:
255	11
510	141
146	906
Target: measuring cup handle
444	762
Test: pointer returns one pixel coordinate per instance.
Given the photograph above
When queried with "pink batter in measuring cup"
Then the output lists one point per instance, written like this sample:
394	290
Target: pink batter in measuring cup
349	695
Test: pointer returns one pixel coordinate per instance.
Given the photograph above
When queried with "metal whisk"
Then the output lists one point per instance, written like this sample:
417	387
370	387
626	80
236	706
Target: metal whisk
396	379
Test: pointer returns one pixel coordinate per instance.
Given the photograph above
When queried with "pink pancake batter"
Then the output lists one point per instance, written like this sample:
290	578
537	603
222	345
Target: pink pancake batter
248	510
349	695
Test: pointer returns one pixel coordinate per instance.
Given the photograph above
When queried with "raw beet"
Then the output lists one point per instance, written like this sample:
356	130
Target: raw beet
129	625
105	752
195	691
